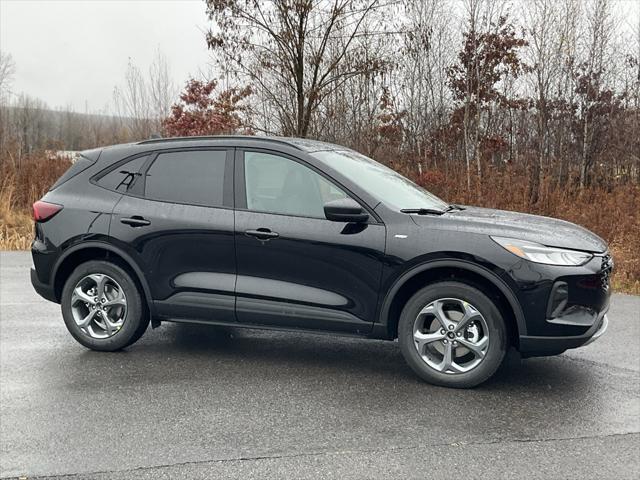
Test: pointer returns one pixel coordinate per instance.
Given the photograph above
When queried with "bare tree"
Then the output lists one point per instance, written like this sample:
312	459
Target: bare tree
293	52
589	78
162	88
29	121
132	102
546	56
426	53
142	102
7	70
489	55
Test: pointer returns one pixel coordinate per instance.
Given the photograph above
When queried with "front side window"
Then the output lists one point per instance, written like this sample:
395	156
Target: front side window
123	178
192	177
276	184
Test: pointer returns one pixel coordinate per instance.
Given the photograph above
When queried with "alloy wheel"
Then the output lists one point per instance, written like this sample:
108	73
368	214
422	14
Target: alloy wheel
98	306
451	336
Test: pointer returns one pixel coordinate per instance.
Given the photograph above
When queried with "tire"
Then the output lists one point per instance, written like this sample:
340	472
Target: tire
458	301
137	335
130	319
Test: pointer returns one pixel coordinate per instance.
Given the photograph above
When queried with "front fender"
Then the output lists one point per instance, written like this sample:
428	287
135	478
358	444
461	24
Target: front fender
381	324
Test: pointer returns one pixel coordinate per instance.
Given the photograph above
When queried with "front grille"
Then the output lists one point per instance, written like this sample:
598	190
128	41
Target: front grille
605	272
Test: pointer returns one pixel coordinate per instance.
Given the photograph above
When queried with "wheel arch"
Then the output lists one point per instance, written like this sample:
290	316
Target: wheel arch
450	269
97	250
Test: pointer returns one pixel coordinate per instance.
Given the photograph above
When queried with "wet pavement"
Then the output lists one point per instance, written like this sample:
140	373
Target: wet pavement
204	402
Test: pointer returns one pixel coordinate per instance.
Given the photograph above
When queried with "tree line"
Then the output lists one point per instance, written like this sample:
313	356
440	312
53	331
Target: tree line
550	88
550	85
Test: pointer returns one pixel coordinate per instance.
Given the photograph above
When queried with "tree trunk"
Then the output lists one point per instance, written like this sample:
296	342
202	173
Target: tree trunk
467	148
585	147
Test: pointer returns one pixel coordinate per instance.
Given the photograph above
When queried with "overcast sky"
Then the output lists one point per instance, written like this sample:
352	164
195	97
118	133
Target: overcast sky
68	52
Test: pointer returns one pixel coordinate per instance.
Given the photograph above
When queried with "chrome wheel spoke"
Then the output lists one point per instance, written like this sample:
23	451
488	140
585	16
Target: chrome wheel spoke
101	281
478	348
85	321
441	316
448	362
470	314
80	296
436	309
109	326
423	339
116	301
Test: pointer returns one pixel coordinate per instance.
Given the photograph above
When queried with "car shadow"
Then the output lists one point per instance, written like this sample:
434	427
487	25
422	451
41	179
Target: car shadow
261	350
338	376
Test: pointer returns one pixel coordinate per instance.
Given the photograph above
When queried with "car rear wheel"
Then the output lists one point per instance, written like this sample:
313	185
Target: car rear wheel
452	334
102	306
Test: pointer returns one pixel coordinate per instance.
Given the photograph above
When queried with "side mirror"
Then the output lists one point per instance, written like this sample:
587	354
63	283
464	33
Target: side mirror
345	210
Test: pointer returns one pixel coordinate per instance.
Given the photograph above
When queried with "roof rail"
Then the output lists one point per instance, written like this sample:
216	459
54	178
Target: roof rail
218	137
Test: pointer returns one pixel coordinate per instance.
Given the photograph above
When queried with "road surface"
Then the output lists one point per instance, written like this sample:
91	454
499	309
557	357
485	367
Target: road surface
203	402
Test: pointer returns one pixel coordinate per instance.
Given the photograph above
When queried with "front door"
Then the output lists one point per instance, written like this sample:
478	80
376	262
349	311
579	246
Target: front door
296	268
178	224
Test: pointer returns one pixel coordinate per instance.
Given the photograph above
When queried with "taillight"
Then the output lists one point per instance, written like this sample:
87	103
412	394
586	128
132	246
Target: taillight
43	211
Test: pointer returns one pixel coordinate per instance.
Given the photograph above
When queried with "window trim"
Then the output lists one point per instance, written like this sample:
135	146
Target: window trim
241	191
139	189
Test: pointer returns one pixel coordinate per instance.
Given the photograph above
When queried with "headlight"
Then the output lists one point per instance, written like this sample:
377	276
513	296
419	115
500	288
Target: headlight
535	252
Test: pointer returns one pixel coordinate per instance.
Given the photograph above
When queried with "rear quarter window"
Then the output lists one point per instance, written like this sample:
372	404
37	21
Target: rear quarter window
123	177
81	164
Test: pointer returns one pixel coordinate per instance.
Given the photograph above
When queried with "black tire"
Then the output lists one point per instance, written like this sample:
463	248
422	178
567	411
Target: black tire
135	321
496	330
142	328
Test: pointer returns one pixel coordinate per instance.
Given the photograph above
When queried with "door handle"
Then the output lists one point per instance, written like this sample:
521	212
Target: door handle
135	221
261	234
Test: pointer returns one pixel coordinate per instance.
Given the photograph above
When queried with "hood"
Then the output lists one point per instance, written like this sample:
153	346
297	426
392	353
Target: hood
534	228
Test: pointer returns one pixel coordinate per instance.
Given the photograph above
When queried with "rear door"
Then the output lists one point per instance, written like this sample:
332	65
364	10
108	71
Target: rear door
177	221
295	267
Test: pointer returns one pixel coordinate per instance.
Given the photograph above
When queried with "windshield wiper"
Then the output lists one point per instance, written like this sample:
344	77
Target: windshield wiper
432	211
423	211
453	206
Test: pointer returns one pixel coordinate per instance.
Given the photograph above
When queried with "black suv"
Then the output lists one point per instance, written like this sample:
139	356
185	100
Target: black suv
289	233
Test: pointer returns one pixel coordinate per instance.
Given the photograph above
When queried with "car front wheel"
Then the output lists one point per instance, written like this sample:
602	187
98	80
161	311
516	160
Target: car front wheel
451	334
102	306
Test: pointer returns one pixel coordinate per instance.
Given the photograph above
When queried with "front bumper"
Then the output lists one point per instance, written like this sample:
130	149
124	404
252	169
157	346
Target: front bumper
531	346
564	307
604	324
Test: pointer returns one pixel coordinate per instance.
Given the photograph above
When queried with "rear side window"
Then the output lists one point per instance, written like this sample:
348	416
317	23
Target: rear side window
124	177
81	164
192	177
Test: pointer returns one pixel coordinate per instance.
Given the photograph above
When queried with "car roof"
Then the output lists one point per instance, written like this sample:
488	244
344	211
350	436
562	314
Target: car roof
303	144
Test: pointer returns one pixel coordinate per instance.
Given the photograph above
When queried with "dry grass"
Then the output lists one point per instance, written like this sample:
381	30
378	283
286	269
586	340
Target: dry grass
611	213
21	184
16	226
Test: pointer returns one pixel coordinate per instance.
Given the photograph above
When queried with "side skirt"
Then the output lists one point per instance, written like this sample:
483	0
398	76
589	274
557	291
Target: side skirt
222	323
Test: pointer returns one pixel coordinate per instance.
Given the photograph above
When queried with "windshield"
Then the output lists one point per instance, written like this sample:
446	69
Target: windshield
381	182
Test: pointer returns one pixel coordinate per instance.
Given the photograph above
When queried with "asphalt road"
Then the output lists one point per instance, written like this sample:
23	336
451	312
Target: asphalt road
198	402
